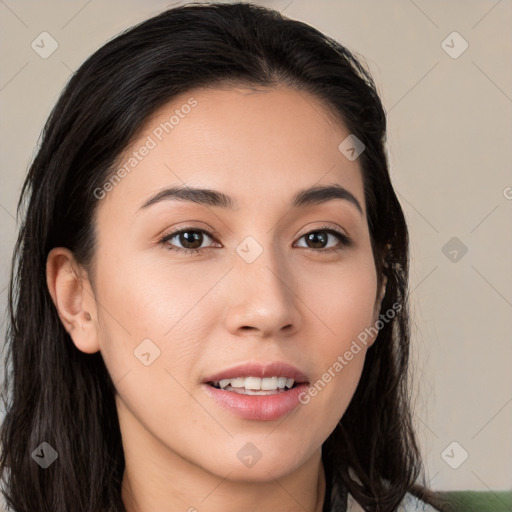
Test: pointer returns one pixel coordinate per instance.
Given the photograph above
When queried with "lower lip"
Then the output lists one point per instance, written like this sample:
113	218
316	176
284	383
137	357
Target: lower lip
258	407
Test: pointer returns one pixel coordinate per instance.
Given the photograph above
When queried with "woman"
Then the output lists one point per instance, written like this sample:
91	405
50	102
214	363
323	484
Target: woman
209	302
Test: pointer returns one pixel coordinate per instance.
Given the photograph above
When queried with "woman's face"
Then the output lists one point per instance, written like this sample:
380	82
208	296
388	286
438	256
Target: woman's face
268	285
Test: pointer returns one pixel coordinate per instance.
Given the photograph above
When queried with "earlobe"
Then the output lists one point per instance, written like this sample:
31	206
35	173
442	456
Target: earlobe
72	295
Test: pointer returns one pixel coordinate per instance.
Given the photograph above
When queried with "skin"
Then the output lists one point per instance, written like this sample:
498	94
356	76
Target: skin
214	310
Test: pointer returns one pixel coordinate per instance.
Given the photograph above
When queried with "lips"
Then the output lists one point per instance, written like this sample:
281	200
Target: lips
257	408
254	369
267	405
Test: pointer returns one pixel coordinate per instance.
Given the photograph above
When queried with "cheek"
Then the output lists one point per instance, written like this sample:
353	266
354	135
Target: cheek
149	299
149	308
342	302
342	298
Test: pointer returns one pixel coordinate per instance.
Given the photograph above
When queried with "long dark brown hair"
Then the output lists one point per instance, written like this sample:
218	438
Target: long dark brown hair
55	393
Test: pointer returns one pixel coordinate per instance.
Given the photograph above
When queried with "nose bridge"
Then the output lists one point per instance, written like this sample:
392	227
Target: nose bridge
261	261
264	298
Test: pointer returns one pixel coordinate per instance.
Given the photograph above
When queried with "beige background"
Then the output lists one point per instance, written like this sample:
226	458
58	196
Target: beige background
450	134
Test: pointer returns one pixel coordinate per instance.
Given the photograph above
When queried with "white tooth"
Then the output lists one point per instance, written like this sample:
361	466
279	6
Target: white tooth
252	383
281	382
255	392
269	383
257	383
238	382
224	382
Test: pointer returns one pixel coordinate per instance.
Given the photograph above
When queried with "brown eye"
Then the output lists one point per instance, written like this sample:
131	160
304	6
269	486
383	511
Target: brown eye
318	239
190	239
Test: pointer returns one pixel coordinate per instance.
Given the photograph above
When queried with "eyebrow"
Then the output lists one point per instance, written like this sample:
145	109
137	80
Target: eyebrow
306	197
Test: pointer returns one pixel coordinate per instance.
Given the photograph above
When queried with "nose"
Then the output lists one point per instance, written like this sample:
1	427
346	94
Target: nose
263	298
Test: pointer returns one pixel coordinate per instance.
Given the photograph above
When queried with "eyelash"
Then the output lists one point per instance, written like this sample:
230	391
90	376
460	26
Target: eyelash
344	240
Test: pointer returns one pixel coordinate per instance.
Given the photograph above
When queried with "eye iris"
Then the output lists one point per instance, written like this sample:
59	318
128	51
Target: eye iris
313	237
186	239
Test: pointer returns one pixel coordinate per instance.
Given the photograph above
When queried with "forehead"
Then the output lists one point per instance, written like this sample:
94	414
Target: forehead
254	145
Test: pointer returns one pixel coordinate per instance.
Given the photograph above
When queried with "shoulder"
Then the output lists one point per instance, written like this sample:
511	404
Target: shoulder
410	503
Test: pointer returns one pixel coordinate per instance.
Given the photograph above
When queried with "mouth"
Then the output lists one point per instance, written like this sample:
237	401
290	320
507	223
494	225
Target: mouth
257	392
257	379
255	385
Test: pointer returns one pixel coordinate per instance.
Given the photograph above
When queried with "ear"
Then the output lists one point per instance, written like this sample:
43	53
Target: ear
378	304
382	292
73	297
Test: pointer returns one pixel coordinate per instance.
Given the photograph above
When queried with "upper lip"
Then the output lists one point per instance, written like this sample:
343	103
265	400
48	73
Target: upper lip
255	369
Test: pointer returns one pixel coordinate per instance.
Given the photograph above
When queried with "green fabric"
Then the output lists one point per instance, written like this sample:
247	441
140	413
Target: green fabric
475	501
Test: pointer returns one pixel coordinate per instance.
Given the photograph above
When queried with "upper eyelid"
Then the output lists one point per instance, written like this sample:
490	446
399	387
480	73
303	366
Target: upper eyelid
327	225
